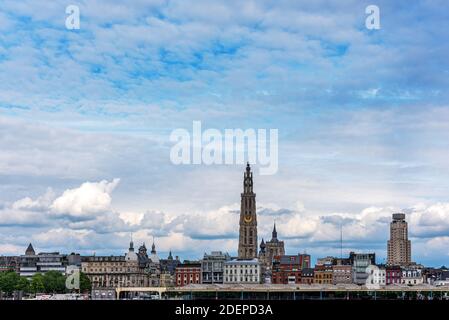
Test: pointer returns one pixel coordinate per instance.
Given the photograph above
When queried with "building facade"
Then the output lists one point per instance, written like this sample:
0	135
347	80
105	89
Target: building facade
399	247
109	272
287	269
32	263
342	274
168	268
212	267
248	219
393	275
188	272
9	263
307	276
377	276
323	274
411	276
242	271
360	262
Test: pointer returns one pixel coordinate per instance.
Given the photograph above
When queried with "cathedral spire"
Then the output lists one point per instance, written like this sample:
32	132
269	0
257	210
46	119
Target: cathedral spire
131	244
153	248
262	246
274	234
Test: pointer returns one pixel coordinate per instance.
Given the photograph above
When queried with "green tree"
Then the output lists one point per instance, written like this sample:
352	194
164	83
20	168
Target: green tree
54	282
23	285
37	283
85	284
9	281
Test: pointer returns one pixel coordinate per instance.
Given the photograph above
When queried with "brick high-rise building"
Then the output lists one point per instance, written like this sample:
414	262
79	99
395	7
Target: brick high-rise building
248	219
399	247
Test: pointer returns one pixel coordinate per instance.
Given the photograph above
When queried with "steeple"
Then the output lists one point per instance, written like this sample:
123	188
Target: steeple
262	246
153	248
131	244
170	257
274	234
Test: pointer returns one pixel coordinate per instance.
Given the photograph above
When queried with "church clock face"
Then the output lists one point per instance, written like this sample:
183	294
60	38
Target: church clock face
248	218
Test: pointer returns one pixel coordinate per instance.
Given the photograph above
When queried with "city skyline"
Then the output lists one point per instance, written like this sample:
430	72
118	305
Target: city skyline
398	245
86	116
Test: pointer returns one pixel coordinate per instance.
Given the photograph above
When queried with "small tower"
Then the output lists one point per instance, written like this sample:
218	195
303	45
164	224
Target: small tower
153	248
30	250
143	250
153	257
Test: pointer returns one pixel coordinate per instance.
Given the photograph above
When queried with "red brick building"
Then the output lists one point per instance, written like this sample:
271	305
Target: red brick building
393	275
307	276
188	273
287	269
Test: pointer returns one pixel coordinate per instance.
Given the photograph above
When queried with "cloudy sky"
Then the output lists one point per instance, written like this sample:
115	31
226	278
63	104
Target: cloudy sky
86	115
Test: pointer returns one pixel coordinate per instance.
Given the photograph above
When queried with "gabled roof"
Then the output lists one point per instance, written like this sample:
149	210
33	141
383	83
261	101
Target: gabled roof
30	250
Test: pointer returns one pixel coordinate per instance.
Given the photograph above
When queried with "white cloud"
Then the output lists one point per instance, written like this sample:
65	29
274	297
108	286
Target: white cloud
40	204
89	199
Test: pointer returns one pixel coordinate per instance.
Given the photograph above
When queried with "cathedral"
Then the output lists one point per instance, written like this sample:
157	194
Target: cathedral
248	228
271	249
248	219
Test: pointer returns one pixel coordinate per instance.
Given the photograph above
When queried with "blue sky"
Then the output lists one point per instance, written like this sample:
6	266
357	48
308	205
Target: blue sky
85	119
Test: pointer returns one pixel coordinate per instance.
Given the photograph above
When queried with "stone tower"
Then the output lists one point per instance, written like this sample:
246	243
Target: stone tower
399	247
248	219
274	247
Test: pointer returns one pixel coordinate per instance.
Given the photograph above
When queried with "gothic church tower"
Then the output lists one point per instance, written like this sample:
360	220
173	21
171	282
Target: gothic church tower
248	219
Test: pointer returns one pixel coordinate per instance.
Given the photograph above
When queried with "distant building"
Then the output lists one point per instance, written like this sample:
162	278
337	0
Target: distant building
248	219
242	271
435	275
399	247
212	267
188	272
287	269
376	275
9	263
109	272
411	276
168	268
342	274
307	276
393	275
359	262
273	248
32	263
327	261
323	274
169	265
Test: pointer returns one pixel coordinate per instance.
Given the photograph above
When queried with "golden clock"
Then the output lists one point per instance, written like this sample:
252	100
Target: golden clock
248	219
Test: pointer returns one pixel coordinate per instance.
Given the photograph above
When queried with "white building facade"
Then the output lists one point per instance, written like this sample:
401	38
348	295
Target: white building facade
242	271
412	276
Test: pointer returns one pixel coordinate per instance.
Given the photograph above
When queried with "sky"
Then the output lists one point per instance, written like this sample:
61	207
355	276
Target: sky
86	116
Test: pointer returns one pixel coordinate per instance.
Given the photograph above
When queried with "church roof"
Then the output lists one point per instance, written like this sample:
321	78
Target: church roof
30	250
